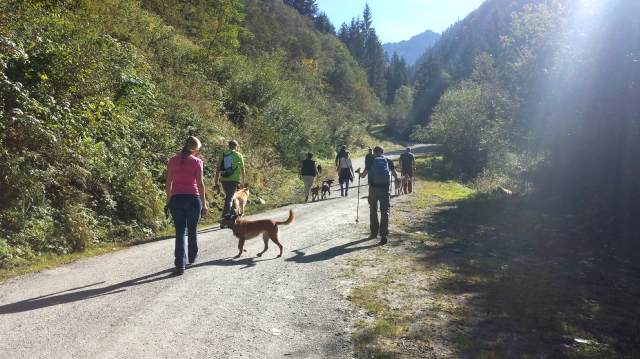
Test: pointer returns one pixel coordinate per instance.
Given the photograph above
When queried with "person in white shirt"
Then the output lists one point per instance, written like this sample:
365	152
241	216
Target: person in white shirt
345	173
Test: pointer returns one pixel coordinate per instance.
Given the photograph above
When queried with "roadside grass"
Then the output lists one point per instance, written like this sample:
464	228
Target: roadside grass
480	276
276	190
289	190
377	137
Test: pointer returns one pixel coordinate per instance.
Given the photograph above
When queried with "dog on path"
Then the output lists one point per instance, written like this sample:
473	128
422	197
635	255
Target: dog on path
240	199
326	188
397	183
315	193
245	230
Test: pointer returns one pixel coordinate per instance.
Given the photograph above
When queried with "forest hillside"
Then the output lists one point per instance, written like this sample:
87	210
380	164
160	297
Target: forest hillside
97	95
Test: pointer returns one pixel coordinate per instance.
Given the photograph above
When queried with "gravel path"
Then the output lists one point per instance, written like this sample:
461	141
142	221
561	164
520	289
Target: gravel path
127	304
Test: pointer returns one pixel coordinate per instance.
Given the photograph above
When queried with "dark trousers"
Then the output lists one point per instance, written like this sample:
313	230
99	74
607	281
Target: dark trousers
379	195
185	210
343	178
229	189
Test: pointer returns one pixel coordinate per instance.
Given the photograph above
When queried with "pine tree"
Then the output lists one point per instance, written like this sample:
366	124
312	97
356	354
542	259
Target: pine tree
397	75
363	43
323	24
304	7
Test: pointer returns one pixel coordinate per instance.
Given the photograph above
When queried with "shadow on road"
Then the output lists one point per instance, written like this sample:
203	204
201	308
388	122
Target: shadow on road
231	262
58	298
302	257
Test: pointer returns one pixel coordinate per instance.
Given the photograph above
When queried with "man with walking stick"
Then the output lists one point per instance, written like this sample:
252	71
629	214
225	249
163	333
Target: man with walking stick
379	173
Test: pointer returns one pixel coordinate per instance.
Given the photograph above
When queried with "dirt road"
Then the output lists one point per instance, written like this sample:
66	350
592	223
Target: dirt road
128	304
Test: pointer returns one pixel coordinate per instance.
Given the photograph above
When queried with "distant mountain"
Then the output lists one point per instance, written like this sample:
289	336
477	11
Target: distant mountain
411	50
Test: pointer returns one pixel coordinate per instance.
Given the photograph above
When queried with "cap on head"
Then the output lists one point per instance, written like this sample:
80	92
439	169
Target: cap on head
233	144
378	150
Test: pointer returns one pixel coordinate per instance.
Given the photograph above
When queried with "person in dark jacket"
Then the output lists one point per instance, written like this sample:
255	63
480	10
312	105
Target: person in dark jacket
408	170
379	194
309	171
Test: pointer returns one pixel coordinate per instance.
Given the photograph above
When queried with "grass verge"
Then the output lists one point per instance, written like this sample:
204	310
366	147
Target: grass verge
479	276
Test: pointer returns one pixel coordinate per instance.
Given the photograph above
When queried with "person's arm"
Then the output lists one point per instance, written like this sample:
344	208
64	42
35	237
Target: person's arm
216	178
203	192
351	169
243	176
168	183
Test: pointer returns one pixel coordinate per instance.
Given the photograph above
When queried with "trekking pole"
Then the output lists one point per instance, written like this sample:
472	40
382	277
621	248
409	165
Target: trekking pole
358	205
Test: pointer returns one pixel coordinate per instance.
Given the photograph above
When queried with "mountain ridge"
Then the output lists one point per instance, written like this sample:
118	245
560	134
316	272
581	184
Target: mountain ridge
411	50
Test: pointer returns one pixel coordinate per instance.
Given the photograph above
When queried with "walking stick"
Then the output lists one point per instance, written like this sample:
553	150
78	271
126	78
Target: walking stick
358	205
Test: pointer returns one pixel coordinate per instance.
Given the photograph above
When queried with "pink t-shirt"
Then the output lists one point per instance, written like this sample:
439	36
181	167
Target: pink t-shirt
184	174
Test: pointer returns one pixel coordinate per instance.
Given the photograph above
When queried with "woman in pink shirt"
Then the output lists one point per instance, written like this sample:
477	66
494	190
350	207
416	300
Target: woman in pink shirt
186	199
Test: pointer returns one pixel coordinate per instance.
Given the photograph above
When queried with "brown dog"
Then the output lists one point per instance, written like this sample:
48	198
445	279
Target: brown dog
240	199
245	230
315	193
397	182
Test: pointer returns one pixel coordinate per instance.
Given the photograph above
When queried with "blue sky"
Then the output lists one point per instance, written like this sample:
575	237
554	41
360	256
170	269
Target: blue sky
396	20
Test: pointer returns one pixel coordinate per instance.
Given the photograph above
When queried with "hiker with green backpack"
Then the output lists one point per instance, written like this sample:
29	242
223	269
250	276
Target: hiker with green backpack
230	173
379	172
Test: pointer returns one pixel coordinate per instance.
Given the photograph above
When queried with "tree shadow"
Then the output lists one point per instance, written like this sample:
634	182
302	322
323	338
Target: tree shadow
67	296
537	283
330	253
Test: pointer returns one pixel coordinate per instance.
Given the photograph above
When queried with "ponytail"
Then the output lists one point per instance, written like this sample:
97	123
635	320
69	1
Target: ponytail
192	143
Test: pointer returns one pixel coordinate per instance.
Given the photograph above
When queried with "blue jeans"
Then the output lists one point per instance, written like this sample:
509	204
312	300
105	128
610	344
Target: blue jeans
185	210
343	178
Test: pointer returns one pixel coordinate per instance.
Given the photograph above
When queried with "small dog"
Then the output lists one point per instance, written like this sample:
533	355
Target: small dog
315	193
397	182
245	230
240	199
326	188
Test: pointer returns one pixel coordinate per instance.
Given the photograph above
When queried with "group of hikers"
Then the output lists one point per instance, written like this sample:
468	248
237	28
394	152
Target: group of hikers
379	171
187	202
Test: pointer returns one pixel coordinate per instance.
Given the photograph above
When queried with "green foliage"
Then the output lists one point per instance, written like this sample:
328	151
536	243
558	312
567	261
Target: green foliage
397	75
542	96
400	109
97	95
364	44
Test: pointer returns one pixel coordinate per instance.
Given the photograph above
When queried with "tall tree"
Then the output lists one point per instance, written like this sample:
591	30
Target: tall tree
397	75
304	7
323	24
363	43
